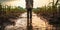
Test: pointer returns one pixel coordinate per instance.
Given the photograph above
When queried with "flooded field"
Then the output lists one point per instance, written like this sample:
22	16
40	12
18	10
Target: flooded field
21	23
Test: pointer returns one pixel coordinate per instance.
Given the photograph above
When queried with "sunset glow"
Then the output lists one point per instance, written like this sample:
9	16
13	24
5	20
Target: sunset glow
37	3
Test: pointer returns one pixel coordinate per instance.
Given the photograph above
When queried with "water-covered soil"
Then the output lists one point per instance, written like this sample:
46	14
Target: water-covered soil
21	23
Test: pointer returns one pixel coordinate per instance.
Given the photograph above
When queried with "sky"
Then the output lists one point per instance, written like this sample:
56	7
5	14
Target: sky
37	3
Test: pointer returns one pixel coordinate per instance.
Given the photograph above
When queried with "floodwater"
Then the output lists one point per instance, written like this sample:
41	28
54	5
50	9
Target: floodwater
21	23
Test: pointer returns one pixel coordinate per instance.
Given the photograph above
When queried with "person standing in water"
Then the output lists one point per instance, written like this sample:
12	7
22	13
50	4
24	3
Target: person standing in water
29	7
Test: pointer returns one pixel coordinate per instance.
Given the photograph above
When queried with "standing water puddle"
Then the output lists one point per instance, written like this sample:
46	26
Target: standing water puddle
21	23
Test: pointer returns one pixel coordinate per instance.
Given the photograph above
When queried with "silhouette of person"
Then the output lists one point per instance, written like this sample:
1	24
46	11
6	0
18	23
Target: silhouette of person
29	6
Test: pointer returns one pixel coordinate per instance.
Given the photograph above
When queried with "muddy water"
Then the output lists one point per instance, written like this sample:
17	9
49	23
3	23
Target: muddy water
21	23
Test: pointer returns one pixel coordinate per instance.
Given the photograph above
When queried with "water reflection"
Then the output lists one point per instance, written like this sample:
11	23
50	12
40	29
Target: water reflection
21	23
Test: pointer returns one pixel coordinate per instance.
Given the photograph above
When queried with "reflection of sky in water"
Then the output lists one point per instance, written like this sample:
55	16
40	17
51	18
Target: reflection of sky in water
21	22
36	21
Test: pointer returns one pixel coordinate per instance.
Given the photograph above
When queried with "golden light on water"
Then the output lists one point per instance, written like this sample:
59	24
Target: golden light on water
37	3
22	22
